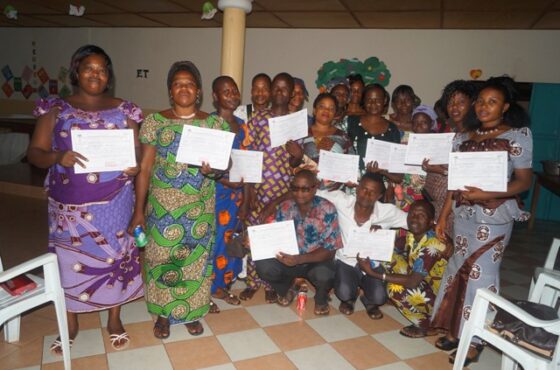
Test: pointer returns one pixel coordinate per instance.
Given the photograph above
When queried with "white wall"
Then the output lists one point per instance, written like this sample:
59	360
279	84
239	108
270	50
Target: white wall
425	59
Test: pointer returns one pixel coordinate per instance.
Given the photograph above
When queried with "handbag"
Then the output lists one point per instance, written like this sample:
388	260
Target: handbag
536	340
235	247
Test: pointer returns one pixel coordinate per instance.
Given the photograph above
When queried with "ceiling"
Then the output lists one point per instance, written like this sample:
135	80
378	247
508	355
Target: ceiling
351	14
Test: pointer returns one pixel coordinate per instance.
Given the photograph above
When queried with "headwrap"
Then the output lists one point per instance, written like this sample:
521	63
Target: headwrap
429	111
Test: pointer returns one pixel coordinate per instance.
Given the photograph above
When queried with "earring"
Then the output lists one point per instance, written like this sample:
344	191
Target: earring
197	99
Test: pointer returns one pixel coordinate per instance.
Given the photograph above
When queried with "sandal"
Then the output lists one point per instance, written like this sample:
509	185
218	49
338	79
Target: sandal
229	297
213	307
321	310
346	308
270	296
413	331
122	338
287	299
195	328
374	313
468	360
56	347
247	294
161	328
445	344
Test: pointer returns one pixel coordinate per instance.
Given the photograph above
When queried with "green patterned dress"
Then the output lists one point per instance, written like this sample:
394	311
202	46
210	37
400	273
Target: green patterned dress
180	225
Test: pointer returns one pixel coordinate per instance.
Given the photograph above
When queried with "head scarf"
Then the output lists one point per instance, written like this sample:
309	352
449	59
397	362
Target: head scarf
426	109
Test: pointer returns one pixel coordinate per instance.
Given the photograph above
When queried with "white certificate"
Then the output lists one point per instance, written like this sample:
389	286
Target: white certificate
247	164
338	167
106	150
435	147
200	144
292	126
396	161
269	239
484	170
378	245
378	150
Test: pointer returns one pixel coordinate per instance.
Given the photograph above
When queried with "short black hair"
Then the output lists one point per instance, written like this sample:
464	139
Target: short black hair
288	77
371	87
375	177
406	90
186	66
429	207
355	78
322	96
82	53
308	175
218	80
261	75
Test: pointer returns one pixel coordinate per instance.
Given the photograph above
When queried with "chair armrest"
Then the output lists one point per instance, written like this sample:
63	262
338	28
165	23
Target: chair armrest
552	253
27	266
545	278
483	294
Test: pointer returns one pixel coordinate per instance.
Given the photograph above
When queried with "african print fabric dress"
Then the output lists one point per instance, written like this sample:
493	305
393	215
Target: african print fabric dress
481	233
180	225
426	258
228	201
89	215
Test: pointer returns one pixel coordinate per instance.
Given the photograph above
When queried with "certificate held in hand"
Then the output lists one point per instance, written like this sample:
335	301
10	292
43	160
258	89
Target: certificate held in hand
105	150
435	147
378	245
247	165
338	167
199	144
269	239
292	126
484	170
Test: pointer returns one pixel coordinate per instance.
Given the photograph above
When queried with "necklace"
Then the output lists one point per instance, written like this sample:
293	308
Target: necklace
485	131
183	117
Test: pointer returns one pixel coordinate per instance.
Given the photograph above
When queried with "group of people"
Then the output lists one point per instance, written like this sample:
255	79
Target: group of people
449	243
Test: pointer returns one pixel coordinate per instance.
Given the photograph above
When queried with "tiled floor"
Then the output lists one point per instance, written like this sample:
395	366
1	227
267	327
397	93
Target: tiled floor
254	335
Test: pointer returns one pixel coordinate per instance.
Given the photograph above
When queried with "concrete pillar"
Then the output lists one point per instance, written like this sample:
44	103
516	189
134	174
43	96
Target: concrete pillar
233	38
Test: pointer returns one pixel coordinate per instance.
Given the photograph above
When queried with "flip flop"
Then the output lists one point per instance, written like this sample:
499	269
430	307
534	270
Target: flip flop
374	313
270	296
321	310
287	299
116	338
413	331
195	328
346	308
214	307
247	294
57	345
163	329
228	297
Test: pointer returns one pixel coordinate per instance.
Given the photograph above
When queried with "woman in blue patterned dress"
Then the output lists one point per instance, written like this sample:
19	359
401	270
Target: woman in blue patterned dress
483	220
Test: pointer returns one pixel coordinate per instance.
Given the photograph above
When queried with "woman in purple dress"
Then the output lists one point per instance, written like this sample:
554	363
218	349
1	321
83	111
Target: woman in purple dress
89	212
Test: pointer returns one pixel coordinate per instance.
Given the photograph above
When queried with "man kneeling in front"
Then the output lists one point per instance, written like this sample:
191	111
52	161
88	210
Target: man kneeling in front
318	237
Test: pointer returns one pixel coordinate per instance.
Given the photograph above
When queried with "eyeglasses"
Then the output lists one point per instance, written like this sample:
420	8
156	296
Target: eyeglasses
303	189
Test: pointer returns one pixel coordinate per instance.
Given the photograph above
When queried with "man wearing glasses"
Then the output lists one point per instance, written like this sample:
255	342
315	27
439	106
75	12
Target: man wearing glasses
318	237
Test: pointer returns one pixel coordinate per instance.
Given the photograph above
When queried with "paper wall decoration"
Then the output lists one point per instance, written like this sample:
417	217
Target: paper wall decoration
7	88
372	70
7	72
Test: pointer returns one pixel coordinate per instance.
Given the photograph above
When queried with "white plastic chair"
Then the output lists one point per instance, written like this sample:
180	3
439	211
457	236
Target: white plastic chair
47	290
512	355
548	264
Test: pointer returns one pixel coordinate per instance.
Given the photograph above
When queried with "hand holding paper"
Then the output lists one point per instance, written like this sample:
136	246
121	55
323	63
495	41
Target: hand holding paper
289	127
105	150
338	167
484	170
269	239
199	144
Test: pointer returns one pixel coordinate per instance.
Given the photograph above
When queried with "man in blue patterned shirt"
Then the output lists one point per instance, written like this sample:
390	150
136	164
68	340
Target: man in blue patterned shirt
318	236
